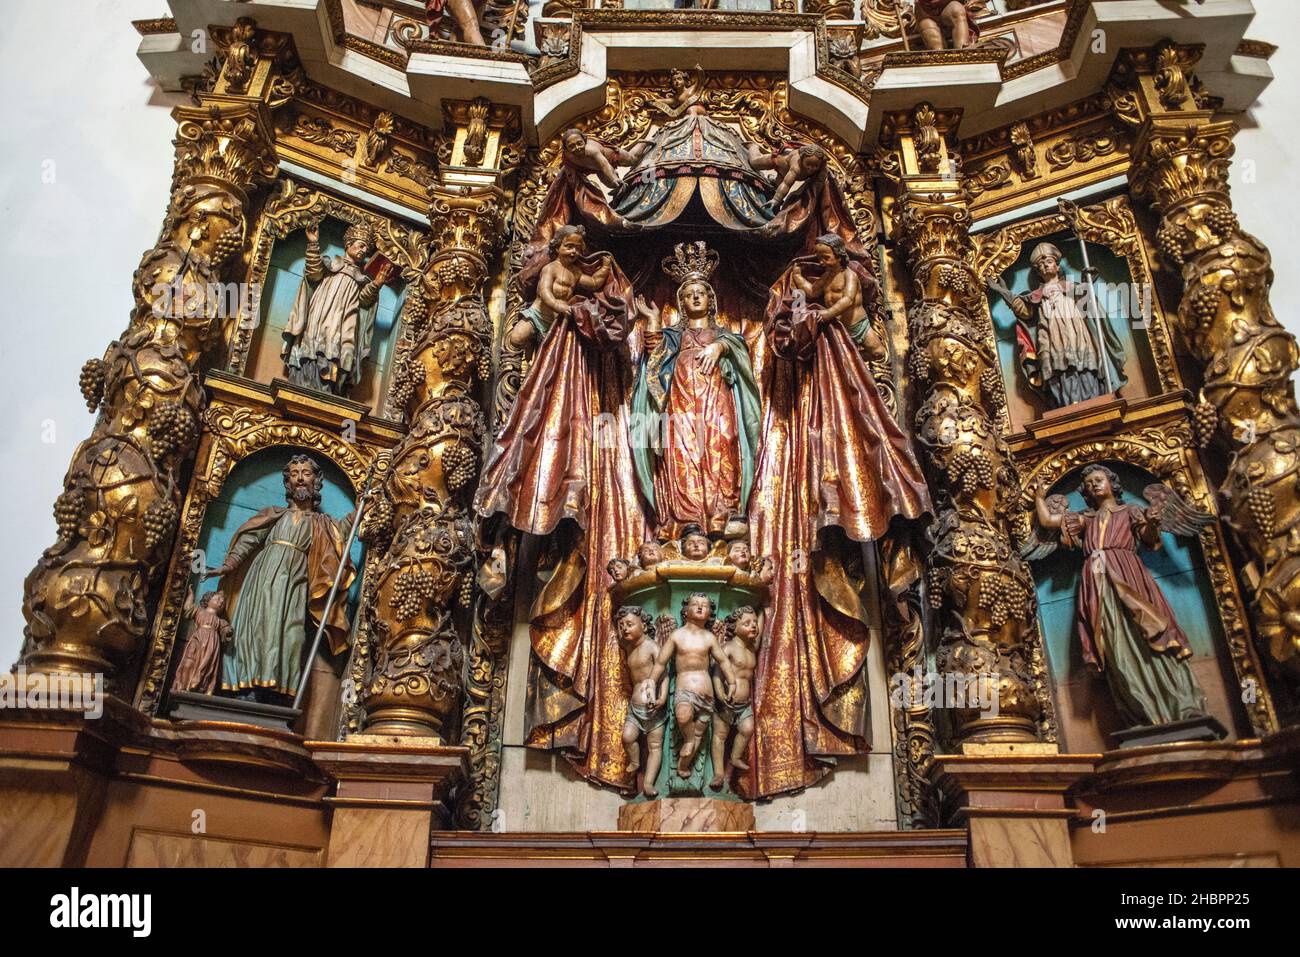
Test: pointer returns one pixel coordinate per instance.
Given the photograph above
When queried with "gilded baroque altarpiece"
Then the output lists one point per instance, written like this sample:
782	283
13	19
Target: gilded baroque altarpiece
710	387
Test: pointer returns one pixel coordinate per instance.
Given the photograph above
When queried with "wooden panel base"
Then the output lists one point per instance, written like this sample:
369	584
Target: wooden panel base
390	794
153	849
122	790
936	848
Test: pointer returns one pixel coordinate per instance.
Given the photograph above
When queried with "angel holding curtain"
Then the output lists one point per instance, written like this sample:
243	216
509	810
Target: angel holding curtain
1126	628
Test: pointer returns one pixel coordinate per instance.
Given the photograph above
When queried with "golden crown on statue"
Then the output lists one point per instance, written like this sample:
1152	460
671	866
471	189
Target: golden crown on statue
690	261
360	231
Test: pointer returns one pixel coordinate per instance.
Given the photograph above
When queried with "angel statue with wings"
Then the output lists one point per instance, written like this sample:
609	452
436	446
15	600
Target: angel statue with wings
1125	625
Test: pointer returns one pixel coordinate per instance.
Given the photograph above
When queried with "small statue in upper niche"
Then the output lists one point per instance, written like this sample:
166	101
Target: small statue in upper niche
592	156
792	167
1126	628
736	710
647	711
333	318
1064	354
569	276
200	664
691	647
933	15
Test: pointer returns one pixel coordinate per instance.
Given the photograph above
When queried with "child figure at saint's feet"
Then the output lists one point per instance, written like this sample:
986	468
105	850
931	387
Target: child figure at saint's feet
647	713
692	647
736	712
200	666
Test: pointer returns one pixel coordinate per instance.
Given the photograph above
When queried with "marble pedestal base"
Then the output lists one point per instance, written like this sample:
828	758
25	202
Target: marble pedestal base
691	815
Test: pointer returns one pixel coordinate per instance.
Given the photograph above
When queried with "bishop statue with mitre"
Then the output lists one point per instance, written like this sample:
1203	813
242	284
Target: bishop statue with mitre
333	318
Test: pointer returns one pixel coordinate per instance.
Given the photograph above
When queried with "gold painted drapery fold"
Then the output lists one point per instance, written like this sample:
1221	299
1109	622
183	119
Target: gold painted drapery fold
578	691
565	436
834	469
541	467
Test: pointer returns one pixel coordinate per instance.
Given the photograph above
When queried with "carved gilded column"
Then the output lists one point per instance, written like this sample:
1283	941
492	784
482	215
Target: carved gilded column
979	588
87	601
420	518
1181	159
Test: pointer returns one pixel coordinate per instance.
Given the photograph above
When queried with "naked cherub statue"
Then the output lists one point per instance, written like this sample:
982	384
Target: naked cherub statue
736	712
792	166
691	647
646	711
561	280
593	156
838	290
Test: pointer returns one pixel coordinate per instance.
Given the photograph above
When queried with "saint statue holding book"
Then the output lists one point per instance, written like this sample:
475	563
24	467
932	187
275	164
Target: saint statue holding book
333	318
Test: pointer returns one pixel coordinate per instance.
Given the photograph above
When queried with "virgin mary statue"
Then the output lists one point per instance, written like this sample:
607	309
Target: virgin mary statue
695	408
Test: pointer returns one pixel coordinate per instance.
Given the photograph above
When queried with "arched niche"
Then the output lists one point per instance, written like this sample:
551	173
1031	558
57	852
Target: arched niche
284	277
1085	713
239	471
1124	291
257	482
276	265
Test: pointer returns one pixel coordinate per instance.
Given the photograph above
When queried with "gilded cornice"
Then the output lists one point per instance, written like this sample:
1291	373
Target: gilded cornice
1072	146
155	26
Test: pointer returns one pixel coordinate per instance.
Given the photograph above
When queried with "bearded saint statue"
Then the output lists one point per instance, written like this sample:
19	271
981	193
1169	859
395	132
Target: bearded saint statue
278	571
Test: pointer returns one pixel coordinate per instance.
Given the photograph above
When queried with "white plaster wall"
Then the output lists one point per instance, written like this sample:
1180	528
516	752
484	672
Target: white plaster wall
80	110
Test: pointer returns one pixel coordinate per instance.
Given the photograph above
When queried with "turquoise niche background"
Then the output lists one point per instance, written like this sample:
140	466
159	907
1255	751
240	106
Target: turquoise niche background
1125	318
665	597
256	483
283	278
1178	568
